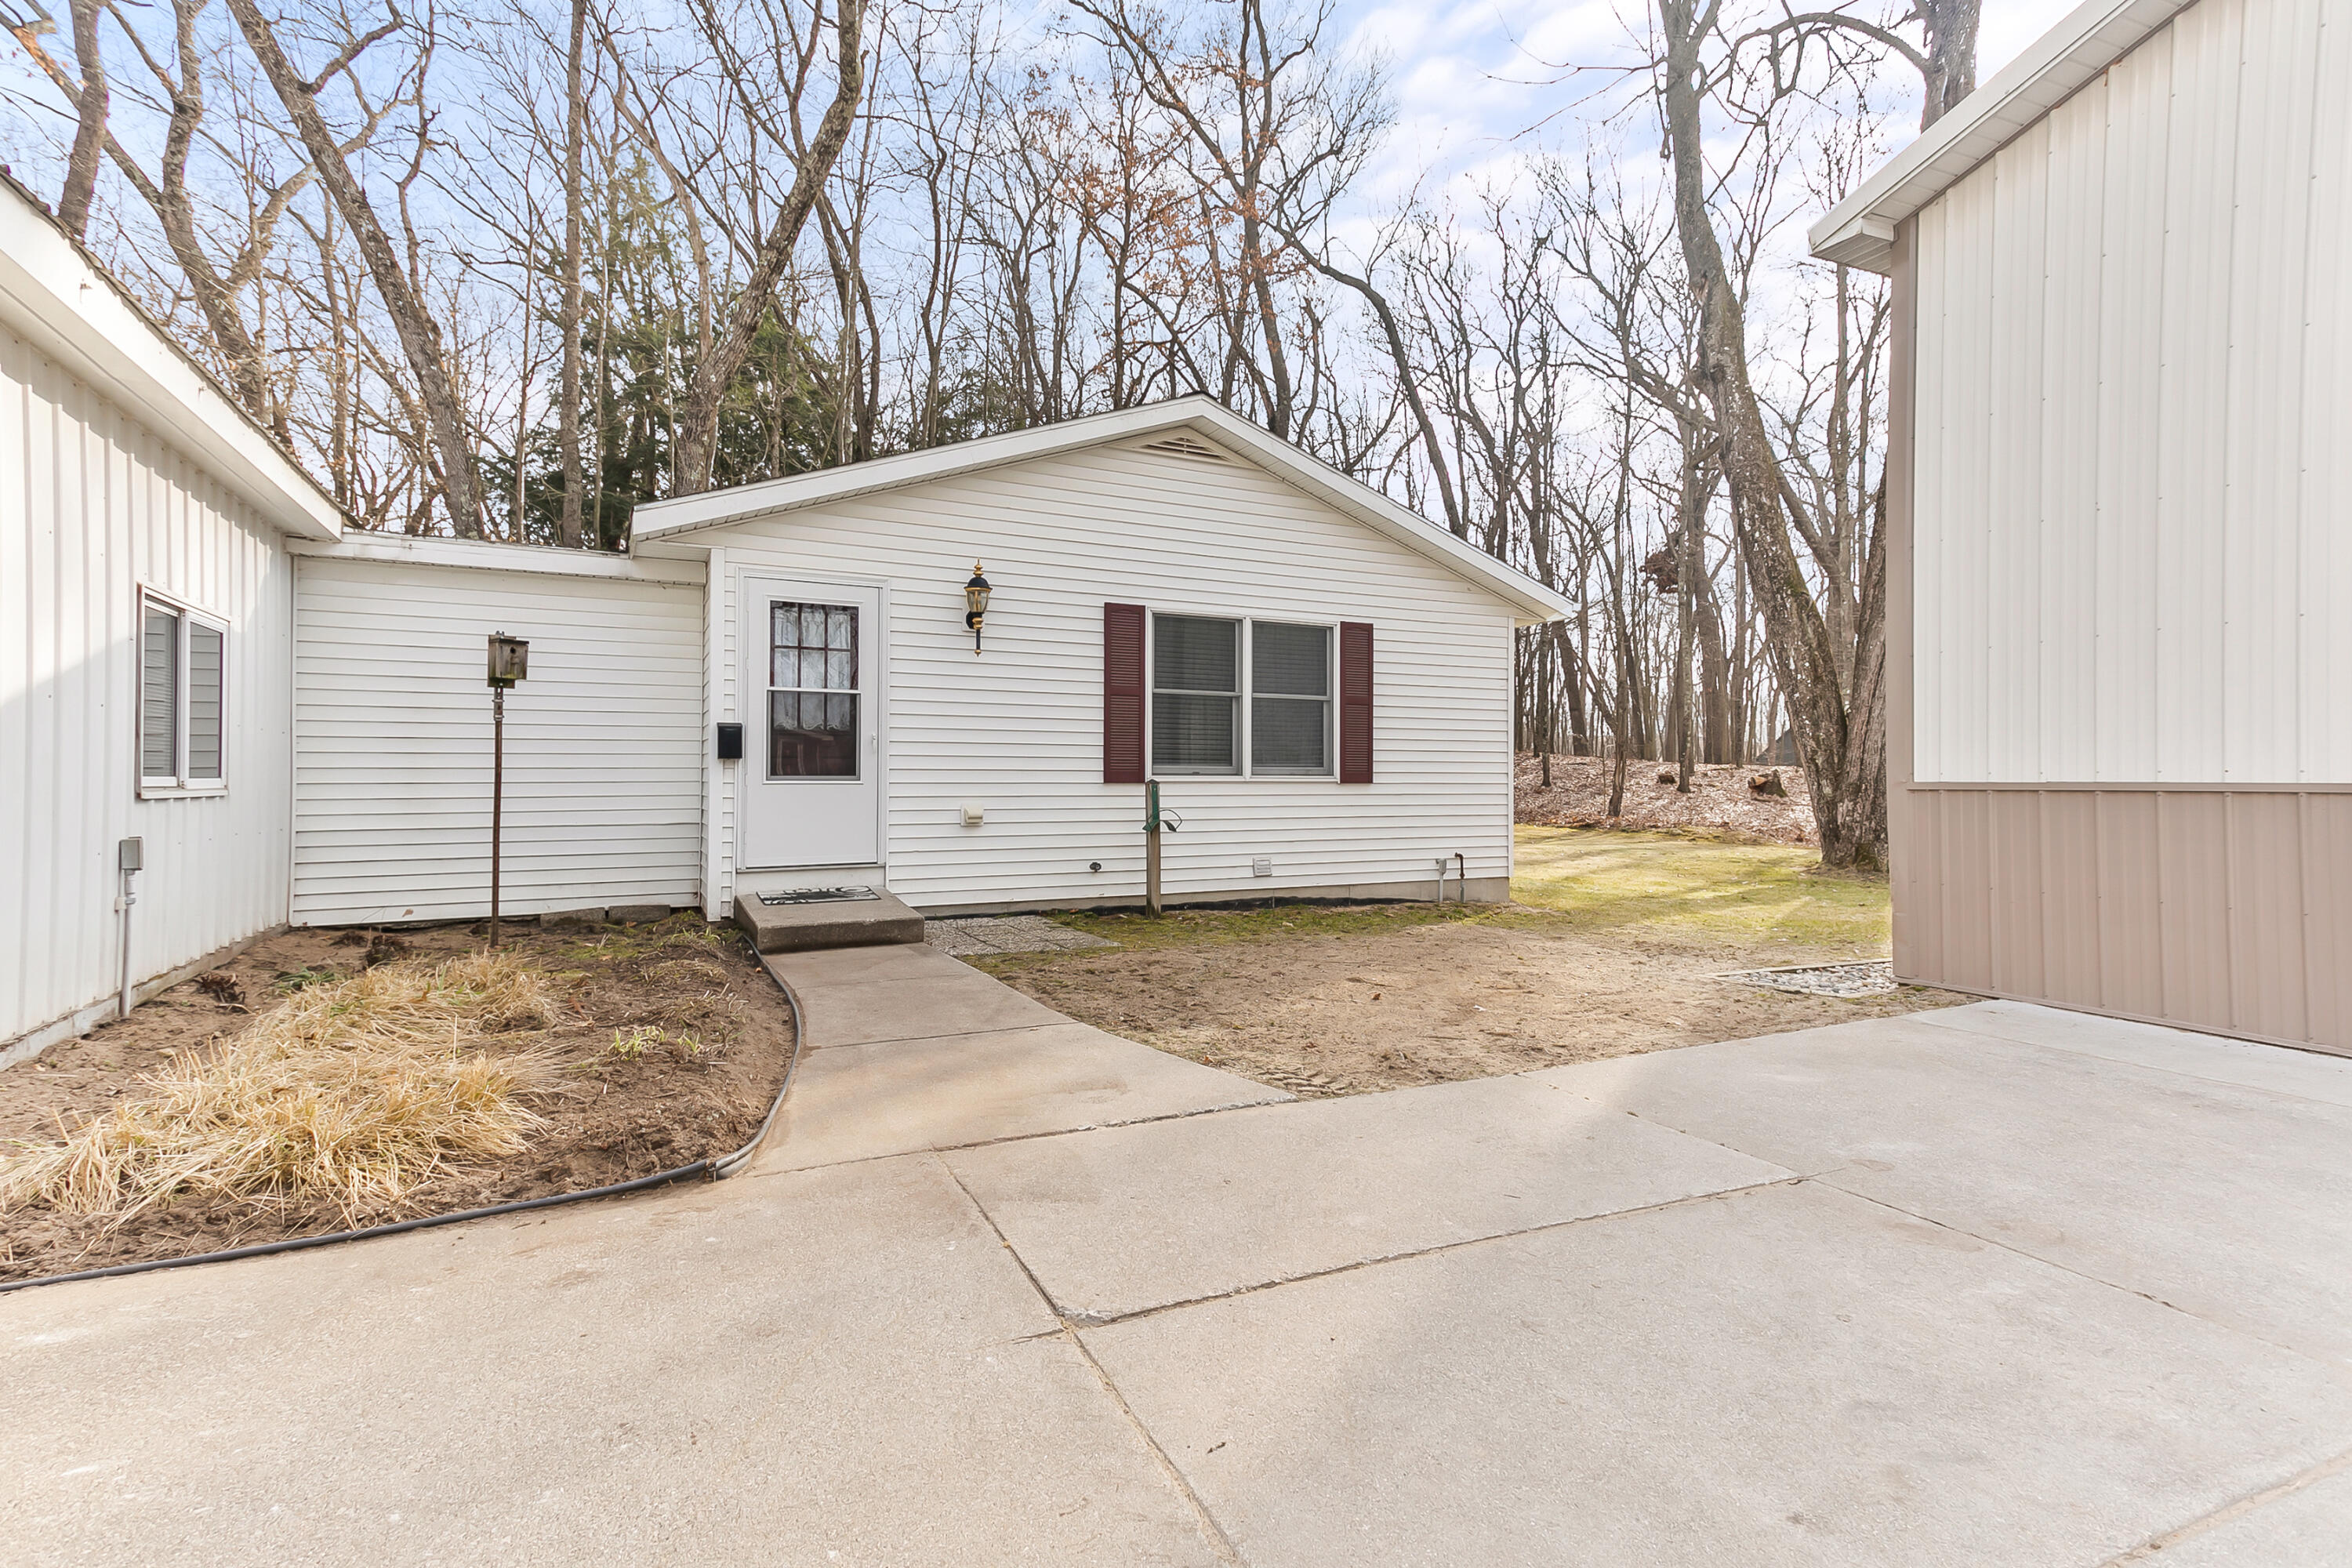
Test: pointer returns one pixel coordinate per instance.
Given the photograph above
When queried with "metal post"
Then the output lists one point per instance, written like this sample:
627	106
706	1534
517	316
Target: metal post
498	794
1151	848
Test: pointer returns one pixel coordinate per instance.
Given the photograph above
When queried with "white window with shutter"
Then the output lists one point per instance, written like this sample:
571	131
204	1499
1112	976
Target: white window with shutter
182	710
1246	698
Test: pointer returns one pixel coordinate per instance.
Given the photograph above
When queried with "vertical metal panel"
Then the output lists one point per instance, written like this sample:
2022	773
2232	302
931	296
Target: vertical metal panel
2138	158
2327	879
2131	904
2322	539
1968	889
2261	456
2266	901
2192	430
2002	617
2068	885
2192	864
2016	897
2064	594
2132	329
92	507
1929	503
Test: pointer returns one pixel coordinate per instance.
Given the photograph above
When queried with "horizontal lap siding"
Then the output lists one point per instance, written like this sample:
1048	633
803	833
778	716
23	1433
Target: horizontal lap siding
94	506
604	761
1018	730
2128	518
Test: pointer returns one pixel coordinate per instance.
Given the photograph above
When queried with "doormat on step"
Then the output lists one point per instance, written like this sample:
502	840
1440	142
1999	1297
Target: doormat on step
818	896
1846	980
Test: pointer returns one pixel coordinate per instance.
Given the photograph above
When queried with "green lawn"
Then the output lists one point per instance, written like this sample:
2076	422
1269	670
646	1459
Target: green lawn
1747	892
1633	882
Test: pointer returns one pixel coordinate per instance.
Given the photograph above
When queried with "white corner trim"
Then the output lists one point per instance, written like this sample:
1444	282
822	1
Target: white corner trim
74	313
1860	230
485	555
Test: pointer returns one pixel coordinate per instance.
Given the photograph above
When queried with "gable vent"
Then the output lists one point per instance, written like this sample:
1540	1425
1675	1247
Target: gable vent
1182	446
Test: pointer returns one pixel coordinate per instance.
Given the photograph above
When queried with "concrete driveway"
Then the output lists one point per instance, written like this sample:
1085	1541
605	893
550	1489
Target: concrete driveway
1994	1286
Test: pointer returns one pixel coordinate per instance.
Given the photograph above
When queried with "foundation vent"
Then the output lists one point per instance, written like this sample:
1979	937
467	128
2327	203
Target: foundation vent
1184	446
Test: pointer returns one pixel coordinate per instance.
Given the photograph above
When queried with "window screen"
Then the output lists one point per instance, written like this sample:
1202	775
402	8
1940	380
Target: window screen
158	696
204	646
1290	699
812	690
1195	695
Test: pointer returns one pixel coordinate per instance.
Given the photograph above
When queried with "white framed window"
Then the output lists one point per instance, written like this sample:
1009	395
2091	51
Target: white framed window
1290	699
1196	695
1243	697
183	697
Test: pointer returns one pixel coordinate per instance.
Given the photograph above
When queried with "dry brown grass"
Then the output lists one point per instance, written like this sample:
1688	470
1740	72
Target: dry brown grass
357	1091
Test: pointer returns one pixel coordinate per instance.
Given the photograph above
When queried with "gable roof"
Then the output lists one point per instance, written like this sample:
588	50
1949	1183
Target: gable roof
1860	230
667	519
61	301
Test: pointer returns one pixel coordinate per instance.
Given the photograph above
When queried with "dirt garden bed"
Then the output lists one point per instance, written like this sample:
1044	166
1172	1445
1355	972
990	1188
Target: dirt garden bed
1614	947
652	1046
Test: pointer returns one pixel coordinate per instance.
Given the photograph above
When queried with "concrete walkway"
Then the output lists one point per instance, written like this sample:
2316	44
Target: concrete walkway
1997	1286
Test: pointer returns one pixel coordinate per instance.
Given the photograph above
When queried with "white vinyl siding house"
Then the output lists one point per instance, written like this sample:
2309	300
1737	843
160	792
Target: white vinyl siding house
146	639
295	724
605	739
1011	738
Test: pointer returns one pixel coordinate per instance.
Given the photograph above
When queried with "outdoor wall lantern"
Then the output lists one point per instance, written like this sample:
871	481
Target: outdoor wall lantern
975	598
509	662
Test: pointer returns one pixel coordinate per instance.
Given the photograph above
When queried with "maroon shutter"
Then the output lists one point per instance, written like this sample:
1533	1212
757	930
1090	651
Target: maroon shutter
1122	694
1355	702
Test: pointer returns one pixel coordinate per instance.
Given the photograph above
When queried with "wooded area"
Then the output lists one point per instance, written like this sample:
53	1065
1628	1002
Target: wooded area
510	271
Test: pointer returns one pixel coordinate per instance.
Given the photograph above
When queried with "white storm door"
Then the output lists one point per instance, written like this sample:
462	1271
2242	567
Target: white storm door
812	689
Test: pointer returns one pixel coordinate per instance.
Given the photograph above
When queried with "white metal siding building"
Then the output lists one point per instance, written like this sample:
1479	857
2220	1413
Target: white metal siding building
139	514
2121	634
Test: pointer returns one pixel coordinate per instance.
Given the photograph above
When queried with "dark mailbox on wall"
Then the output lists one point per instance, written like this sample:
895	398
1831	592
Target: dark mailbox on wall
730	743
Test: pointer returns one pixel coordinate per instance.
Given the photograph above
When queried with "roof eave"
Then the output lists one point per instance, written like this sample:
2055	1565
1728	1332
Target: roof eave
1532	602
1860	230
72	312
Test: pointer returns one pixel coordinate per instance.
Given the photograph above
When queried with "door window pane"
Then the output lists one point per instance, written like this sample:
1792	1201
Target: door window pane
812	735
158	696
1196	695
812	705
204	701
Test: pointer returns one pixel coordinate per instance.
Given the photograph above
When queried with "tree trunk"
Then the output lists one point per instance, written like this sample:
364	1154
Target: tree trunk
575	111
1804	658
89	123
420	335
698	423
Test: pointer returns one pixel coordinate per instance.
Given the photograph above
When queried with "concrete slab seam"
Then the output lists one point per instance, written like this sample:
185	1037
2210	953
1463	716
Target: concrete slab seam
1211	1530
2229	1511
2017	1251
946	1035
1033	1137
1106	1320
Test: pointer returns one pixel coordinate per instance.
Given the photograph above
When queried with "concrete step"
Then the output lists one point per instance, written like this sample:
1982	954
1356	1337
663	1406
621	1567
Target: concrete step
804	927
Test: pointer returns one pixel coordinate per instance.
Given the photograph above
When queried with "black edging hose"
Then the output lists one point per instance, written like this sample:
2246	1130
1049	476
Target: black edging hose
716	1170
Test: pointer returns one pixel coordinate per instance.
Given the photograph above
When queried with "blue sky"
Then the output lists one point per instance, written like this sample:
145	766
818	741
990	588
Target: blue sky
1472	79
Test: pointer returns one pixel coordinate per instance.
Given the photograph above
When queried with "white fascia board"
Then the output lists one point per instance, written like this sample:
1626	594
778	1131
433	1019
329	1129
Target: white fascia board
485	555
74	313
667	521
1860	230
